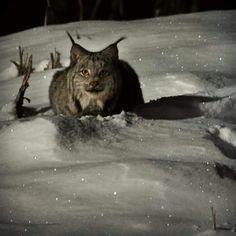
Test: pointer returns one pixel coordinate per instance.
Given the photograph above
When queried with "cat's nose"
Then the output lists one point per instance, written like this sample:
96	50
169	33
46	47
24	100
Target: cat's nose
94	83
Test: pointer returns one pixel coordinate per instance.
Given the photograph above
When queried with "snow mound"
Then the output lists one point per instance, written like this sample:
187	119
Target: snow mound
224	109
225	134
122	174
225	138
216	233
8	73
22	140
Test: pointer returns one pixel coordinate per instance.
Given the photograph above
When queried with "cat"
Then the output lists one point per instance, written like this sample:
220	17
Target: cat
95	83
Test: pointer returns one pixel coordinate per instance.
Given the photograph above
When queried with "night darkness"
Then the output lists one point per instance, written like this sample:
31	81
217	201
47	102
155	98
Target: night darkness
20	15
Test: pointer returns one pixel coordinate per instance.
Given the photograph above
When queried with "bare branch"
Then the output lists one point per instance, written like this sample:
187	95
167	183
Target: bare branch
213	212
18	103
22	65
54	61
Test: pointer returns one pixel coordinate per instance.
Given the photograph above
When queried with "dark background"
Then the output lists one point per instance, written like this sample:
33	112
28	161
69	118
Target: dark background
17	15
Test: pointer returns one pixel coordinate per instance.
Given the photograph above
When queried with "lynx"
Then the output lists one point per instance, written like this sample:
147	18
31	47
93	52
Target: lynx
95	83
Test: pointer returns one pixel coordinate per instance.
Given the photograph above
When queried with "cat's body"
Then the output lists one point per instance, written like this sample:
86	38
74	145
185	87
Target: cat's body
95	83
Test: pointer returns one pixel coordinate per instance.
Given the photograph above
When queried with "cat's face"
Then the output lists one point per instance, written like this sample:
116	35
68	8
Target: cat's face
94	74
95	79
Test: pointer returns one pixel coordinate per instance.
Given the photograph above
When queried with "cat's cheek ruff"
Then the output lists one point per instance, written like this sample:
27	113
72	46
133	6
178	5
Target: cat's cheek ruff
100	104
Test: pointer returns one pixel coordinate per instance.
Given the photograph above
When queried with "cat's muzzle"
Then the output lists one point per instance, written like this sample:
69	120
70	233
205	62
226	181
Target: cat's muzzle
94	86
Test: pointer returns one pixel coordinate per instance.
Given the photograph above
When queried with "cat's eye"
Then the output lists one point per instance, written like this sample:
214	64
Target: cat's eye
103	73
84	72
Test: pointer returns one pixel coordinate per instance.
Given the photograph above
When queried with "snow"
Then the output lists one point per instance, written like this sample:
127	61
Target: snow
213	233
122	174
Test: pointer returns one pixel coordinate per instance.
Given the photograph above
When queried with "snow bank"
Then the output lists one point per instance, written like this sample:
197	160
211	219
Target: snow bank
123	175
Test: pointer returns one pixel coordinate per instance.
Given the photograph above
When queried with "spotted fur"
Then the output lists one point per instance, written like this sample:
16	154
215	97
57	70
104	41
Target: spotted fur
95	83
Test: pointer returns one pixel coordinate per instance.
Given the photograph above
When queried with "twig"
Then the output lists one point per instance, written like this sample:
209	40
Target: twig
21	66
54	60
18	103
213	212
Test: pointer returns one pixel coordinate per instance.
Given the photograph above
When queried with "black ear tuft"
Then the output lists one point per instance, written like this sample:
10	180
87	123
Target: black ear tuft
111	51
120	39
76	51
71	39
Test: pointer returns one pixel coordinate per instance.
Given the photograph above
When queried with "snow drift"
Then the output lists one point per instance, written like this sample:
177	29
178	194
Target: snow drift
125	175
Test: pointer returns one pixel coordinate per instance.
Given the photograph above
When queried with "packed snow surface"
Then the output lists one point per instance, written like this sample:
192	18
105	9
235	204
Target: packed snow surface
123	174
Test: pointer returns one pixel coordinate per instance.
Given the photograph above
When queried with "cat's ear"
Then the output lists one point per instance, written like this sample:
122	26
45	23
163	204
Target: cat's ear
112	51
76	51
